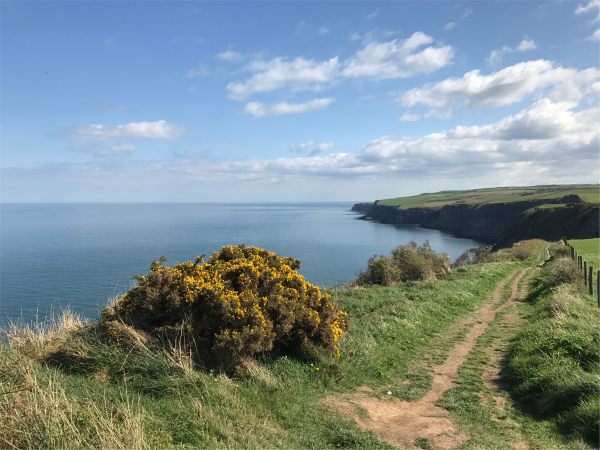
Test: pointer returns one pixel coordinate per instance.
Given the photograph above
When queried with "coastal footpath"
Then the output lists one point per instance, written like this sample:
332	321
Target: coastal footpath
497	216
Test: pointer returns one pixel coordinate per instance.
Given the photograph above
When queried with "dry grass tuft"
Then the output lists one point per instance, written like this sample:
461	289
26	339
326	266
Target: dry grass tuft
36	410
564	298
41	339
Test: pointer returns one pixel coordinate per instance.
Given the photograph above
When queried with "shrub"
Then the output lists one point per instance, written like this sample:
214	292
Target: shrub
559	250
381	270
564	271
242	301
475	255
524	249
408	262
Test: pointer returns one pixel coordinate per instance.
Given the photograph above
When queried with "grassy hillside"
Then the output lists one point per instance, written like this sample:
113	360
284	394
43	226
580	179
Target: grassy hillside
588	193
145	397
63	386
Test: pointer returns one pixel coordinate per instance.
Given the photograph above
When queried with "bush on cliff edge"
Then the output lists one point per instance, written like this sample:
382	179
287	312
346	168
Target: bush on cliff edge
410	262
242	301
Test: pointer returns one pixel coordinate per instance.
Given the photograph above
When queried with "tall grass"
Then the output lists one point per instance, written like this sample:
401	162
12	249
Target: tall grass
554	362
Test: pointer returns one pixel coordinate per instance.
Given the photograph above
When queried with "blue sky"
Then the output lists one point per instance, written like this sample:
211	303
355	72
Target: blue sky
290	101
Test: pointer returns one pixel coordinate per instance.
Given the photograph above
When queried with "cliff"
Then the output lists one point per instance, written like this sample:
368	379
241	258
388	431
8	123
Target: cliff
497	223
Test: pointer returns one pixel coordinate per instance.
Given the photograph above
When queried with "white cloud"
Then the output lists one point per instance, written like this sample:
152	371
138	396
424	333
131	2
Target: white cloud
278	73
313	148
160	129
230	56
504	87
548	137
545	119
496	56
590	6
398	58
432	114
323	30
116	149
258	109
372	15
449	26
378	60
546	143
596	35
526	44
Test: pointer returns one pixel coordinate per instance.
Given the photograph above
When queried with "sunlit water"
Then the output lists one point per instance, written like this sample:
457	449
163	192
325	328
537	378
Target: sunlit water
79	255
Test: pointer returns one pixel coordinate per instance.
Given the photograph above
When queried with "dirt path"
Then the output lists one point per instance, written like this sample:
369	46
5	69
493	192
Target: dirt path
402	423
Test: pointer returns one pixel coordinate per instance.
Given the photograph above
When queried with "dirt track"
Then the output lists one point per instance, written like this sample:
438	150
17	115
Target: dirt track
401	422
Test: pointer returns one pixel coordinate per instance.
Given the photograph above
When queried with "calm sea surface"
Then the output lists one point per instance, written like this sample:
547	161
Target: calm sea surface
55	255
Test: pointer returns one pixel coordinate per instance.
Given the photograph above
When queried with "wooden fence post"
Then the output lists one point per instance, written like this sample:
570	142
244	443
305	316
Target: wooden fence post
585	273
590	285
598	285
572	251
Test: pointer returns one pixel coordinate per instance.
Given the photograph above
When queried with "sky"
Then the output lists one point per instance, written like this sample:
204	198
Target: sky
294	101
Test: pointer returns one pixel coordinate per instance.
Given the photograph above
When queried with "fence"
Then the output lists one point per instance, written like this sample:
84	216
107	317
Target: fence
587	271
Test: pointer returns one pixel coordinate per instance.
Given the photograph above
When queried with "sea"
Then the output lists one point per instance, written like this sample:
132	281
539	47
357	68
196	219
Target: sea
54	256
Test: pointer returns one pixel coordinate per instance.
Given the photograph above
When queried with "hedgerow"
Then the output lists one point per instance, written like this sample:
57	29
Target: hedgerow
241	302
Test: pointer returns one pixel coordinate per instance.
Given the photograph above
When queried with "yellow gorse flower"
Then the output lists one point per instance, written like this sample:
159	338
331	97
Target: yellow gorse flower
243	300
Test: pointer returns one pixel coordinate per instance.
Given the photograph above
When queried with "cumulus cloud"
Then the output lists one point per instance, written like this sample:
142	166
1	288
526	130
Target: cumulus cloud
544	119
548	138
398	58
312	148
590	6
496	56
230	56
377	60
258	109
548	134
431	114
277	73
547	142
160	129
504	87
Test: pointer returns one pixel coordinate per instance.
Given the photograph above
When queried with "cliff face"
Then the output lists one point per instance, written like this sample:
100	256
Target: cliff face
581	221
495	223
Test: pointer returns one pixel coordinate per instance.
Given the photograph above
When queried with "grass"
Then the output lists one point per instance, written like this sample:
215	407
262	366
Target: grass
554	364
588	193
589	249
62	386
548	396
71	390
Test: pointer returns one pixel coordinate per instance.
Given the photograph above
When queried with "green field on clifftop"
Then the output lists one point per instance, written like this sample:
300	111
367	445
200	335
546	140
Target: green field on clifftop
587	192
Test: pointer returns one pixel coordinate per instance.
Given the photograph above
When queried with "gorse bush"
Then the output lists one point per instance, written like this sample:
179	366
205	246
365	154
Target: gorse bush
242	301
408	262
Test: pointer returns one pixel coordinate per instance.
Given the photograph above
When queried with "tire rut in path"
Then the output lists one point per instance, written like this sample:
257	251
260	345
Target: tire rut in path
401	422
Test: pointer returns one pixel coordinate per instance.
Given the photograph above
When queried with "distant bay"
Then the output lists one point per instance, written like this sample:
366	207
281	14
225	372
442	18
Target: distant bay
79	255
